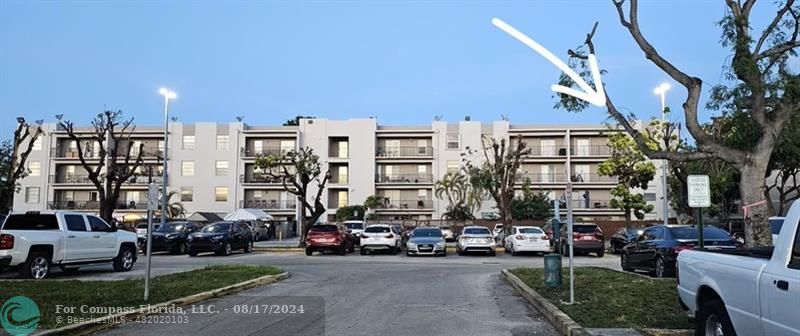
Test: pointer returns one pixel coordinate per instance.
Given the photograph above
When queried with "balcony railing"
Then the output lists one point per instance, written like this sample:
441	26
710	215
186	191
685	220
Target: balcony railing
547	151
590	203
388	204
593	178
265	151
269	204
94	205
84	179
542	178
404	178
72	153
258	178
398	152
590	150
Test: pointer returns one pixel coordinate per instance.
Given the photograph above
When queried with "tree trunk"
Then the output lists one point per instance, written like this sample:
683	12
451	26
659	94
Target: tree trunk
107	209
751	190
627	218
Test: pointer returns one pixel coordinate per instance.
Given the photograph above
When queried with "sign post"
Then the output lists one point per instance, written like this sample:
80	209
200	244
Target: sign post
699	197
152	205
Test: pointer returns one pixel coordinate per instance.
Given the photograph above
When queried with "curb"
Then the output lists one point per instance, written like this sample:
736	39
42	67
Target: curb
643	276
109	321
562	323
278	249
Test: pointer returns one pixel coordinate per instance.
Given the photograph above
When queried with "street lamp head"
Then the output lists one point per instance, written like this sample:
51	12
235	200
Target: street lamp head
21	120
59	117
167	93
662	89
40	122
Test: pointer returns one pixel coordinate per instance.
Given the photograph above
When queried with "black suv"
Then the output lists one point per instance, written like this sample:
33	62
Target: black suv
221	238
170	237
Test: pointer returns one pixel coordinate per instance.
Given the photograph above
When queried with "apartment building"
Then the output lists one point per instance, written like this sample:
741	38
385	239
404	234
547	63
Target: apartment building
211	166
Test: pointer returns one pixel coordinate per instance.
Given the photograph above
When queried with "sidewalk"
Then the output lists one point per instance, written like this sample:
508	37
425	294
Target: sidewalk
275	243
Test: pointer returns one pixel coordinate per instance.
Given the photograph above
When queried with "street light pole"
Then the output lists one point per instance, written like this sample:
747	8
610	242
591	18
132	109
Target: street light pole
167	96
661	90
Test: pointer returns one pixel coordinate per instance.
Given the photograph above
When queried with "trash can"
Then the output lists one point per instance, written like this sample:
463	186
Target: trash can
552	270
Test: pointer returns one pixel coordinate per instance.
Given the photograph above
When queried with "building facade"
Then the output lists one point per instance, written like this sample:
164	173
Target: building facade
211	166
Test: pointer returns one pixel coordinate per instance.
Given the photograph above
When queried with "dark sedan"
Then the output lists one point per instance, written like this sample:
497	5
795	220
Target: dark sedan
221	238
170	237
624	236
657	248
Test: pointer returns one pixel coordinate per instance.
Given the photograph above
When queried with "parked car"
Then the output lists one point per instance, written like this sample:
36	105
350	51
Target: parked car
329	237
403	233
260	230
448	233
141	229
381	237
171	237
745	292
527	239
476	239
426	241
586	238
624	236
36	241
221	238
498	228
355	227
657	248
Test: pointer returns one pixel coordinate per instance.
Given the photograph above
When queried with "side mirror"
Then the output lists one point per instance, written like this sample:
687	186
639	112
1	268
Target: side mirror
112	229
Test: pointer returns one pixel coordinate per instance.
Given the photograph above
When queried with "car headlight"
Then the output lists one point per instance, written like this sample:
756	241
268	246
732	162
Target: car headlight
439	244
171	236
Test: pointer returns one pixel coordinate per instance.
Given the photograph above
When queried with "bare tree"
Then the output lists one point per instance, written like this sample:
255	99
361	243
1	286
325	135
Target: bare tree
497	174
763	86
14	156
297	170
114	164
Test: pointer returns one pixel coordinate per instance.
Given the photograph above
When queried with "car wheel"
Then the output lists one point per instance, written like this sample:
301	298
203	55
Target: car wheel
124	260
623	262
181	248
492	253
662	270
192	253
342	250
248	248
36	267
352	248
713	320
601	252
513	253
408	254
309	251
362	251
225	250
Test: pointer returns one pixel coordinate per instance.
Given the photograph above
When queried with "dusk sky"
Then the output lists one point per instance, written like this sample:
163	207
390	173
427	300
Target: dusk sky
401	61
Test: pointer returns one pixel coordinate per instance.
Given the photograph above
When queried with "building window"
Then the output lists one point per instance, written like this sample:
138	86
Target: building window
37	144
188	142
344	149
35	168
187	168
187	194
32	195
422	170
452	166
453	141
287	146
222	142
342	199
221	168
221	194
342	175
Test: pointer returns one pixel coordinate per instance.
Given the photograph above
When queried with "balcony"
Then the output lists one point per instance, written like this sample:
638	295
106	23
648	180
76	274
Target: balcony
403	152
547	151
542	178
593	178
404	178
419	204
94	205
72	153
590	150
591	203
269	204
276	151
84	179
259	178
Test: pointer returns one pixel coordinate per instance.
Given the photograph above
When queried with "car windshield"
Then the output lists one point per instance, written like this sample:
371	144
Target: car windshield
427	233
690	232
218	227
377	229
477	231
171	227
324	228
584	228
354	226
531	231
635	232
776	224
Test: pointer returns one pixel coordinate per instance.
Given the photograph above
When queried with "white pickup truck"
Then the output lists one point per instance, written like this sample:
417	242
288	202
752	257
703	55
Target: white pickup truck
35	241
755	292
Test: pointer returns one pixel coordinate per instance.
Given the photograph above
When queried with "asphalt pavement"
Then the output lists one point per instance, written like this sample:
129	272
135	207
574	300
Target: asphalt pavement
353	295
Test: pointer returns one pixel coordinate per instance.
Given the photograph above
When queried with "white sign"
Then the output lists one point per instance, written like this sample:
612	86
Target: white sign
699	191
152	197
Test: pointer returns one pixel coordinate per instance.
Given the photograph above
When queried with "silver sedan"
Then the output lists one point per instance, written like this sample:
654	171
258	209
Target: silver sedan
476	239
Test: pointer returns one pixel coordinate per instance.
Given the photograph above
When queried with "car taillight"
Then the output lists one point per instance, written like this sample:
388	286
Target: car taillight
519	237
6	242
390	236
545	237
680	248
364	236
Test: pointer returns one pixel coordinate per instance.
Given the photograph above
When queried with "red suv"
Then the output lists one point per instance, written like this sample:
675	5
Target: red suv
586	238
329	237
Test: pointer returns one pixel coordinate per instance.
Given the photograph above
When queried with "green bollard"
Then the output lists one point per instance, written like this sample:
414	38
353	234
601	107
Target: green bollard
552	270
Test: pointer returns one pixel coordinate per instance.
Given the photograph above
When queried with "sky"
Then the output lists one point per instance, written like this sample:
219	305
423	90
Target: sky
403	62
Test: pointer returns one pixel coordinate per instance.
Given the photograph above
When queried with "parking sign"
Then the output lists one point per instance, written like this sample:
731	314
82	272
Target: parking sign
699	191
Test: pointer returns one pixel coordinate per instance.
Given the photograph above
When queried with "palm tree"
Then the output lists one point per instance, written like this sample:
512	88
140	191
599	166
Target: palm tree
175	209
462	197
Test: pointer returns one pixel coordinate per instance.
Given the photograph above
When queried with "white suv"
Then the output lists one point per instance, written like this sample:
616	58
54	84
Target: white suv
35	241
381	237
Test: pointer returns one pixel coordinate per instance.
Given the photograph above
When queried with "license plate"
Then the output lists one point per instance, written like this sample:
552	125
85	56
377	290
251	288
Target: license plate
586	238
324	240
533	239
